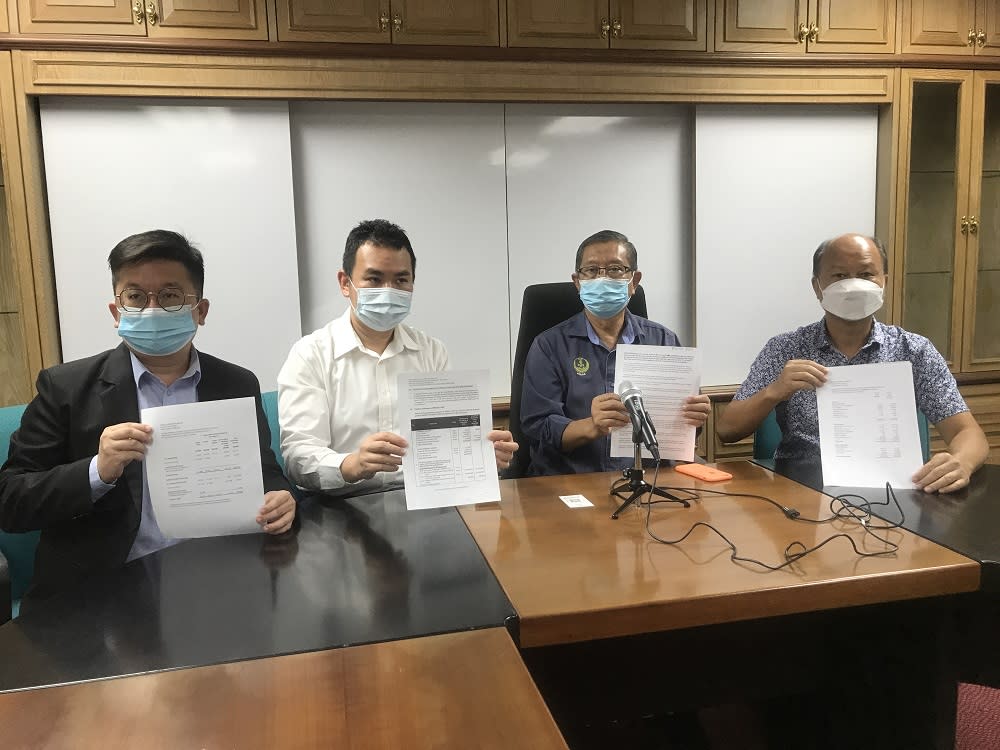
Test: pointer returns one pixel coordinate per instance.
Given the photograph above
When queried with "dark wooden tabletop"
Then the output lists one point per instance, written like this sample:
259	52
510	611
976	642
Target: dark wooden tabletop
356	571
967	522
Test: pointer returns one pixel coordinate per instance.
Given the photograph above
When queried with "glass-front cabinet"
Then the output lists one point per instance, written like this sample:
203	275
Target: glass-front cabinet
981	348
947	274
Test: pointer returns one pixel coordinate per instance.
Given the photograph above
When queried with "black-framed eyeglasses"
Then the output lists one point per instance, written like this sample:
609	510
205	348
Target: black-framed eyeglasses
612	272
137	300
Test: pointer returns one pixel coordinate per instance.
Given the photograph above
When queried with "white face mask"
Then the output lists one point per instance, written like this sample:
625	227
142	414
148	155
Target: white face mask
852	299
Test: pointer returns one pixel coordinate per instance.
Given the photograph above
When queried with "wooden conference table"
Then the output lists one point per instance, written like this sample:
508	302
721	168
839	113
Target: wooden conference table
459	690
612	622
359	570
608	620
967	522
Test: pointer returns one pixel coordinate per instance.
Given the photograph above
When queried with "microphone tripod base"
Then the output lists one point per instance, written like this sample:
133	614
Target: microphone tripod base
631	488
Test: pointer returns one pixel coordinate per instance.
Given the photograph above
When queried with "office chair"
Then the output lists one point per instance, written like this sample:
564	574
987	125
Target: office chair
768	435
543	306
17	551
269	400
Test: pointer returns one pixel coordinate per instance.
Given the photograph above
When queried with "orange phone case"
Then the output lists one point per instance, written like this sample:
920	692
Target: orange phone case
703	472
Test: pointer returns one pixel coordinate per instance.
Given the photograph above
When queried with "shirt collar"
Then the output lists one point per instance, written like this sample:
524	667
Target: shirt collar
876	336
630	331
346	340
193	370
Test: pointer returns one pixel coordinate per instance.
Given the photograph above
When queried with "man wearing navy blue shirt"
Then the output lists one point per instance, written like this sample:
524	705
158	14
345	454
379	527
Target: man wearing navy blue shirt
848	279
568	405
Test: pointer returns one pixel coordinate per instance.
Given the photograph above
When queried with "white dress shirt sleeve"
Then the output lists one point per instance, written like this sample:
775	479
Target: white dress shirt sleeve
304	415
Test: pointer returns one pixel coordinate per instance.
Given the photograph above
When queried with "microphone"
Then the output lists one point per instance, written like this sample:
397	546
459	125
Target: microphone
642	426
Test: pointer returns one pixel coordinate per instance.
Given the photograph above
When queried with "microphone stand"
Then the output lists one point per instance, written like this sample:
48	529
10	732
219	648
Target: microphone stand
633	483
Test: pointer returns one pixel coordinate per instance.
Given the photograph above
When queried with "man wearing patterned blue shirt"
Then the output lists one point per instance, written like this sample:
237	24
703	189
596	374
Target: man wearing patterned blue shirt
849	275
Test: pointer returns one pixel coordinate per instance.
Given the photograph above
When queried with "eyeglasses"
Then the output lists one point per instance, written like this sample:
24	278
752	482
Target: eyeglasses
612	272
136	300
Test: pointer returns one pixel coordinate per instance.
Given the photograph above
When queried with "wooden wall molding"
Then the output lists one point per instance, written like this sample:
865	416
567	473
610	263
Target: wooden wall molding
349	50
144	74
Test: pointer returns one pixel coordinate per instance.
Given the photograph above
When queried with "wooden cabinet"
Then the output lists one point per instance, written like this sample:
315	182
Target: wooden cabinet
953	27
655	24
205	19
948	214
797	27
984	403
604	24
15	382
443	22
717	450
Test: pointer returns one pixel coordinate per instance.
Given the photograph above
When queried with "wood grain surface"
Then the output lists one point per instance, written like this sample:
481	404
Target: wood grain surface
575	574
462	690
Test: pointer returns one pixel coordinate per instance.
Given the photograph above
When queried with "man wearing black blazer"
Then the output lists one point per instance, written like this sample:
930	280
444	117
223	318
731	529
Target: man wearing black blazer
75	465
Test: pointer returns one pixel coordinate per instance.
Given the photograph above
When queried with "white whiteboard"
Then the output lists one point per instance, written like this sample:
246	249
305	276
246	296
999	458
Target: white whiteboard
772	182
220	174
573	170
437	170
493	196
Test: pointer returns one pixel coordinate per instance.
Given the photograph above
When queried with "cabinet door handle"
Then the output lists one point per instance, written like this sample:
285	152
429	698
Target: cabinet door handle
803	32
981	38
397	22
138	14
964	224
616	27
971	37
605	28
813	33
383	21
973	225
151	15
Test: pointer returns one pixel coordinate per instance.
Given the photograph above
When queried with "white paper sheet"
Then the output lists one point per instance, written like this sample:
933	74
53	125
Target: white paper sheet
203	467
445	417
666	375
576	501
868	432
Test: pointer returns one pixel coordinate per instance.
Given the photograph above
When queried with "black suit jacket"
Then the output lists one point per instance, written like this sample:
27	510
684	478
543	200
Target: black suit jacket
45	483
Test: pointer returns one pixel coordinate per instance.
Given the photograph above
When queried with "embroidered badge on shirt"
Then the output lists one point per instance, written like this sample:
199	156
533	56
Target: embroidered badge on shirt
581	366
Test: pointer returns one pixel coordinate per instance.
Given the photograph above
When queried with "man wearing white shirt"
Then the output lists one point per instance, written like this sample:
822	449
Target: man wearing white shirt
337	400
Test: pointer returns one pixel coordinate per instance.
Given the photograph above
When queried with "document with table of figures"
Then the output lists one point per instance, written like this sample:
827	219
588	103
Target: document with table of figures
868	433
445	417
203	467
666	375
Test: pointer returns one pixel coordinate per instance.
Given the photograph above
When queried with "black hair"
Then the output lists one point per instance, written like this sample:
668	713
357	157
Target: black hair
825	245
158	244
609	235
378	232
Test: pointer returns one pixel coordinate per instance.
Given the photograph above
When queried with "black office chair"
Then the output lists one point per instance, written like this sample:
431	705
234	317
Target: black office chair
543	306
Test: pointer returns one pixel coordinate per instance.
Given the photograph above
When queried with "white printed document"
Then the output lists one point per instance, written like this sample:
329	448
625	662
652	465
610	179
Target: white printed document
203	467
868	433
445	417
666	375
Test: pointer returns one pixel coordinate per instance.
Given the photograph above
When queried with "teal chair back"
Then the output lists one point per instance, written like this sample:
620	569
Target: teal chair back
19	549
270	403
768	435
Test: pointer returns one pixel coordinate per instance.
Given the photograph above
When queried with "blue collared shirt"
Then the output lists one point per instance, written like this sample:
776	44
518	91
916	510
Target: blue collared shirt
152	392
934	386
566	368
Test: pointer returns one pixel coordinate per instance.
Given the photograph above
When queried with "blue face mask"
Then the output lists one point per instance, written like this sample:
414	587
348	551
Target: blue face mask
382	308
155	331
604	297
